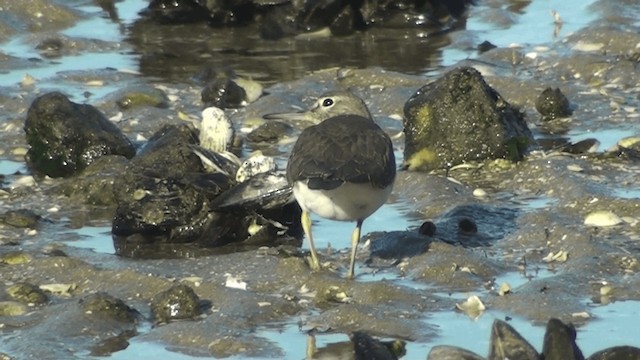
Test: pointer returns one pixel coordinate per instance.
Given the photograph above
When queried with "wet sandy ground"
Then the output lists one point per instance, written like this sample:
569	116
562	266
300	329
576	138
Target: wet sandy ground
530	218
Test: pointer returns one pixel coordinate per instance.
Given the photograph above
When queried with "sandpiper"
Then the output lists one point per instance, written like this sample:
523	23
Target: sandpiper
341	168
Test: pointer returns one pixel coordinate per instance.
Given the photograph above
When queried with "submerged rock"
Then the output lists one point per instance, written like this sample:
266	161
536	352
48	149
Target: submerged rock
66	137
460	118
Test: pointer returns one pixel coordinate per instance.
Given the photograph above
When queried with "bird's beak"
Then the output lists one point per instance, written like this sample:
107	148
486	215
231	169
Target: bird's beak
305	116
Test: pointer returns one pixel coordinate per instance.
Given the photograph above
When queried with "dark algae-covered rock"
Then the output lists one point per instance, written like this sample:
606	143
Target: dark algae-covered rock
552	103
178	302
66	137
460	118
165	191
106	306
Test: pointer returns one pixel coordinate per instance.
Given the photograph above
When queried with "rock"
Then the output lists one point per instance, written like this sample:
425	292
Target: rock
166	197
21	218
95	184
27	293
105	306
397	245
176	11
12	308
66	137
270	132
165	193
280	18
142	96
552	104
459	118
178	302
368	348
113	344
560	342
507	343
223	93
617	353
445	352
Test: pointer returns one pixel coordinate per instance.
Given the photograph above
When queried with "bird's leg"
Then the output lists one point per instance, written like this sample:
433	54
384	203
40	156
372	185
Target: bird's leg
306	226
355	238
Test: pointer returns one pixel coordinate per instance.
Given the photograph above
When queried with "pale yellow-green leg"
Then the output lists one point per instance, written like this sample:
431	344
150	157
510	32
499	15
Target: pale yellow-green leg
355	239
306	226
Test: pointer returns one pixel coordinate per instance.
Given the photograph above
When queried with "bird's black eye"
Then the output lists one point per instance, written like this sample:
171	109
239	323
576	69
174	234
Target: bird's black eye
327	102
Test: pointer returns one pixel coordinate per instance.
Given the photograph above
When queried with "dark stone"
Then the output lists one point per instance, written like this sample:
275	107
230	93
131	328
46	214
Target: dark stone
617	353
507	343
165	192
279	18
178	302
552	104
368	348
66	137
21	218
271	132
560	342
169	206
398	244
176	11
485	46
95	185
223	93
446	352
460	118
113	344
106	306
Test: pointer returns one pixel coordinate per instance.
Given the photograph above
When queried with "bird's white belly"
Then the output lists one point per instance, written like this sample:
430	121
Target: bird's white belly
348	202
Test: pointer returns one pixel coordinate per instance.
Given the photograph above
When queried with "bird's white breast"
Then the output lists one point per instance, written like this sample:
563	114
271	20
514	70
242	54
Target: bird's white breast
348	202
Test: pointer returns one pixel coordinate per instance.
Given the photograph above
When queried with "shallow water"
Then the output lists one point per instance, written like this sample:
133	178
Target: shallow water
502	26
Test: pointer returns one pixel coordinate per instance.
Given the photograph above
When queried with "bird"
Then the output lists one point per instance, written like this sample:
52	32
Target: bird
342	167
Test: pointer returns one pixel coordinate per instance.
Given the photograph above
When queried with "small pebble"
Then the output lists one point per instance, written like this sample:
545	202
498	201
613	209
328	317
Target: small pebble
575	168
480	193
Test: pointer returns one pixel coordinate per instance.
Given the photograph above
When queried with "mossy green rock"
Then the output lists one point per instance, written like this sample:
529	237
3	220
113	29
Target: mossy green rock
460	118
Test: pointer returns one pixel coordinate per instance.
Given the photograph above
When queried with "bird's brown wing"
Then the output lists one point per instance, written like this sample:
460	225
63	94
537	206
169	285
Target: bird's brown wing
346	148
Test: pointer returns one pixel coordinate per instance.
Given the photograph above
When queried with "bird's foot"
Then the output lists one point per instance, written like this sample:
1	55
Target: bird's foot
314	263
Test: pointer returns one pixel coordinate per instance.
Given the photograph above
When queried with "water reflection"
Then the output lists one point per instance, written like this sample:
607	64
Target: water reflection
178	52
